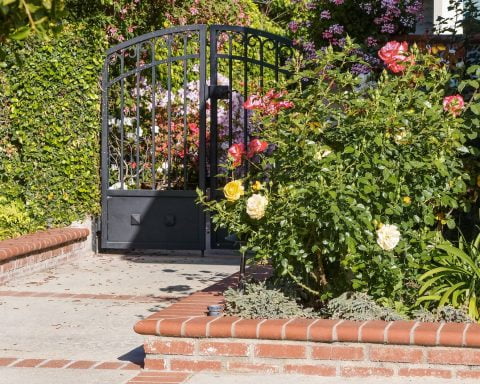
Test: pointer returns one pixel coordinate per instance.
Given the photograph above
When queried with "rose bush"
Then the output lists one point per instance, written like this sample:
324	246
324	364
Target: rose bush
361	179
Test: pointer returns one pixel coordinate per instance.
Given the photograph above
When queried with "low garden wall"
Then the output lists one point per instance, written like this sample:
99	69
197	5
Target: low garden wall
183	338
31	253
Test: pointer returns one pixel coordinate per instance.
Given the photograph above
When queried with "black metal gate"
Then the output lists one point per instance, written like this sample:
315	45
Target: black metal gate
166	129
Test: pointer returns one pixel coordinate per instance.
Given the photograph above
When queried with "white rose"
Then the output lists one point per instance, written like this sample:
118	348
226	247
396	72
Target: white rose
388	236
256	205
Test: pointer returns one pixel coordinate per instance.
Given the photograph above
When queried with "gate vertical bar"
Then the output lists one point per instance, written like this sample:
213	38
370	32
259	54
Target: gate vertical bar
104	149
203	122
154	121
213	113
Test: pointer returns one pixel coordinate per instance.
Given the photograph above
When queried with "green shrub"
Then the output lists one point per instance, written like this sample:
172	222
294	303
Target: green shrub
352	163
49	157
360	307
257	301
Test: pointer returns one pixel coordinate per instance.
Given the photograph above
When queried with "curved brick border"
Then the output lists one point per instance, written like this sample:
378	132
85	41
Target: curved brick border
31	253
182	338
187	318
39	241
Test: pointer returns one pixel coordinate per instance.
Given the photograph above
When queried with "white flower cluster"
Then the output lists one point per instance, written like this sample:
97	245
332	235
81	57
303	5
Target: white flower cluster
256	206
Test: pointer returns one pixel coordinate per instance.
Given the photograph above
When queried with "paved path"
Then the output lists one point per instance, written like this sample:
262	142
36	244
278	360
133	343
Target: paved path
73	323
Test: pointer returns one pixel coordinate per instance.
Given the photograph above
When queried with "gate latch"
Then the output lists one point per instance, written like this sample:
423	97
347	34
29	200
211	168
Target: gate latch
219	92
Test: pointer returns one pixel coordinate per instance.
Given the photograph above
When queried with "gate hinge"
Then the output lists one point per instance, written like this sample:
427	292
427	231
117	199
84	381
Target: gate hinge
218	92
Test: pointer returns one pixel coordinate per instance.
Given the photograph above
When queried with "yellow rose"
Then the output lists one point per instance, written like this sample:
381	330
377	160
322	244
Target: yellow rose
407	200
233	190
257	186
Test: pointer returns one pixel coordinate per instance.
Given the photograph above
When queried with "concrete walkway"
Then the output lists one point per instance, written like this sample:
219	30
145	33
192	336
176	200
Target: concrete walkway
73	323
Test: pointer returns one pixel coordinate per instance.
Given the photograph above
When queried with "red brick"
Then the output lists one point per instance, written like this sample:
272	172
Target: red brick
271	329
454	356
215	348
4	361
146	327
425	372
451	335
283	351
396	354
131	366
246	328
399	332
331	352
373	331
472	336
197	327
468	374
365	372
348	331
322	330
298	329
195	365
426	334
170	347
55	363
172	327
28	363
316	370
110	365
155	364
234	366
81	364
221	327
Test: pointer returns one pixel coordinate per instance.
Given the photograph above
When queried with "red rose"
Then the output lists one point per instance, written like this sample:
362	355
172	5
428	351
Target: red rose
256	146
236	152
453	104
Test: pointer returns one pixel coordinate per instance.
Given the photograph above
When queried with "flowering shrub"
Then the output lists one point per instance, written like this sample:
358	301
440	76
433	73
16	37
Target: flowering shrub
361	178
316	24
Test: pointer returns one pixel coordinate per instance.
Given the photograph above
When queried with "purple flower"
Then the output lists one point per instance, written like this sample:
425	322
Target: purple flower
293	26
337	2
371	41
325	15
367	7
388	28
359	69
311	5
337	29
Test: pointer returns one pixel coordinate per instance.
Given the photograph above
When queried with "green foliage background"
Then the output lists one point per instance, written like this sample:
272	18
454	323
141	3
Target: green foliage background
50	106
49	145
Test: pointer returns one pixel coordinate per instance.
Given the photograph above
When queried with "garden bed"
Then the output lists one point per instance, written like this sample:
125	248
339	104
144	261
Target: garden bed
183	338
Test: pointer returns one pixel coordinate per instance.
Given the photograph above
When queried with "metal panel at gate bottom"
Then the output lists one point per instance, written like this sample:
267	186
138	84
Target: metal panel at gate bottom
169	220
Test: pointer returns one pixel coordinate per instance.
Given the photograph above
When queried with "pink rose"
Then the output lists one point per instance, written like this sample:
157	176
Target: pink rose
396	55
453	104
254	102
256	146
236	152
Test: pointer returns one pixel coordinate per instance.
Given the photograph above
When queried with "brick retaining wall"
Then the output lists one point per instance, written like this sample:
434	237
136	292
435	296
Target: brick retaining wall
41	250
182	338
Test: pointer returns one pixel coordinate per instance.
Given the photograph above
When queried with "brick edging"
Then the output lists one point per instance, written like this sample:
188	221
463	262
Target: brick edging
187	318
40	241
41	250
